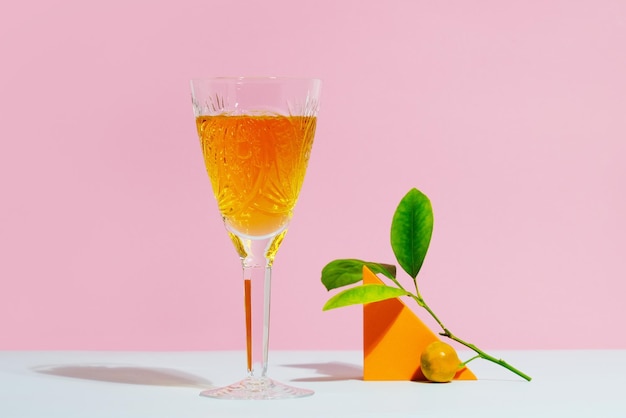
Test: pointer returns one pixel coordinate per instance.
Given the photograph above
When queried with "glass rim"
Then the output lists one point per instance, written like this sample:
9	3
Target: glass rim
255	78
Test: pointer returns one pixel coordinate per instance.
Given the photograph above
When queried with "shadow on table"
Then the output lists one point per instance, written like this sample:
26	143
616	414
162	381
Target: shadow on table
127	374
332	371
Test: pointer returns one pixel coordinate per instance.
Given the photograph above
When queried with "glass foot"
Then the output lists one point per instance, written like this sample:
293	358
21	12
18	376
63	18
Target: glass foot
257	389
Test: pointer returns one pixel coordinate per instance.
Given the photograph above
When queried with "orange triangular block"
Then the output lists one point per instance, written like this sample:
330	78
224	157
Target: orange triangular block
393	340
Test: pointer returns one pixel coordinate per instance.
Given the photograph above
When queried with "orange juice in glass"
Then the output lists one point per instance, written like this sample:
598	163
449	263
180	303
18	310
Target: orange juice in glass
256	136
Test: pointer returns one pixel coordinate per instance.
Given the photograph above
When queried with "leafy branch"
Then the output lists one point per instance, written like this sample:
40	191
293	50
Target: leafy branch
411	231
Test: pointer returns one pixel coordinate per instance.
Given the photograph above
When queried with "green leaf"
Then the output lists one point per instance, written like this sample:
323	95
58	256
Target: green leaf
366	293
343	272
411	230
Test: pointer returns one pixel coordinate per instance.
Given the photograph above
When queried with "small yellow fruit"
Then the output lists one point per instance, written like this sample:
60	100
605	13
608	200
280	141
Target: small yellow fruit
439	362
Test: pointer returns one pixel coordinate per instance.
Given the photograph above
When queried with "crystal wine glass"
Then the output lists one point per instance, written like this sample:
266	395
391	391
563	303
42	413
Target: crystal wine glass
256	135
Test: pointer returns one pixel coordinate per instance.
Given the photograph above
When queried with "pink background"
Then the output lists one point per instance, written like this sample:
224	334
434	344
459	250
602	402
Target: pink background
510	115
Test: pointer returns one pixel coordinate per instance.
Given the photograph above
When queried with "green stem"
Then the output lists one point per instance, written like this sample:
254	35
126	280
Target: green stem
486	356
467	361
420	301
446	333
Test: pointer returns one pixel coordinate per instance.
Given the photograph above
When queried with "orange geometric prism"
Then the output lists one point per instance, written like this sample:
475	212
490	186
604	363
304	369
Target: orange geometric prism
393	340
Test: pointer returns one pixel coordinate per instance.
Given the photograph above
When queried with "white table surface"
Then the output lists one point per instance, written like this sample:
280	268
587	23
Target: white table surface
166	384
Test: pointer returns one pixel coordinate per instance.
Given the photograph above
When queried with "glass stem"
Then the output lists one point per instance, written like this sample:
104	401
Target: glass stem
257	256
257	292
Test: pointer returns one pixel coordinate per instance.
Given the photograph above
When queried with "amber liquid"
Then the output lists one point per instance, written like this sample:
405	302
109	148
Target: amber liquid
256	165
248	305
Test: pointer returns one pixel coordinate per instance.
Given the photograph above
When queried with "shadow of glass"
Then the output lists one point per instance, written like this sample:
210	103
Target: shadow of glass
126	374
332	371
